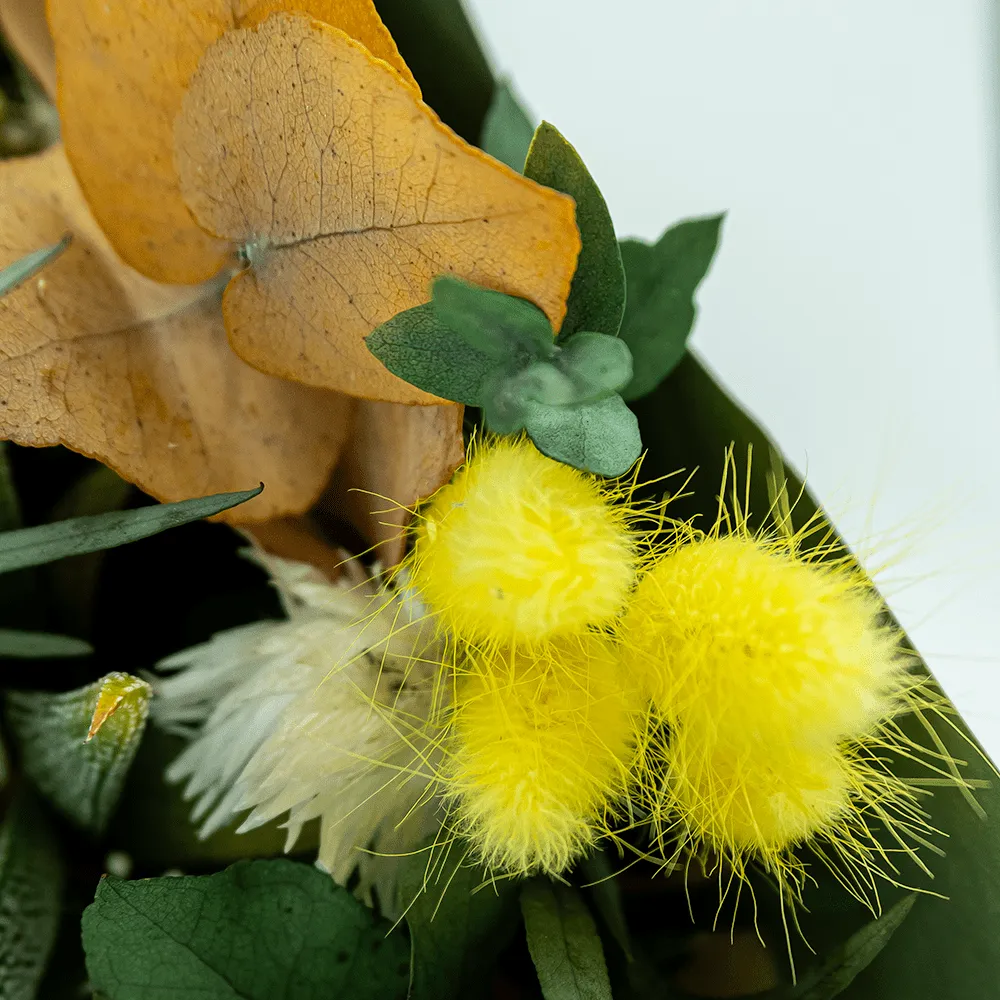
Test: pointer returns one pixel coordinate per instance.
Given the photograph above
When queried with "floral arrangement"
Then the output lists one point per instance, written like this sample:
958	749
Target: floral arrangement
528	669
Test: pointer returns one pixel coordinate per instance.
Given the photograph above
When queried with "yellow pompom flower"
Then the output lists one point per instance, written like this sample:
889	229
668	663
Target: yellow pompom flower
521	548
539	753
774	679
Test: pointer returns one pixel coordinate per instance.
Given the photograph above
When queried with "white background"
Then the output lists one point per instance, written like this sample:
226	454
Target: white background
855	304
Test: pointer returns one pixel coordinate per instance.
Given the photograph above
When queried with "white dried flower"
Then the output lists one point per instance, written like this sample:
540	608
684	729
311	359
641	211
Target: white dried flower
330	714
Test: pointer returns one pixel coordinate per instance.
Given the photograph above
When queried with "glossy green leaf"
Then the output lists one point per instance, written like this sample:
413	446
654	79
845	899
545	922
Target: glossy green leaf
660	309
564	942
31	879
417	347
440	47
507	130
40	645
48	542
459	923
77	746
257	931
601	437
28	266
597	295
947	949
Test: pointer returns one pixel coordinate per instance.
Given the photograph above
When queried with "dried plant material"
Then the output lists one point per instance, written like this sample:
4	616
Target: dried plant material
348	196
124	68
297	538
139	375
24	26
397	456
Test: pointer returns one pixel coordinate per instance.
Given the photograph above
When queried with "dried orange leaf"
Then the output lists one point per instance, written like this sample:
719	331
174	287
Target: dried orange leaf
348	196
123	69
24	25
397	456
140	375
298	538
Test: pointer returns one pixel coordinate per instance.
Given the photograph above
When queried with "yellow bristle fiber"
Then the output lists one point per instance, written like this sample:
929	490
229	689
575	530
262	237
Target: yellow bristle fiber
539	752
521	548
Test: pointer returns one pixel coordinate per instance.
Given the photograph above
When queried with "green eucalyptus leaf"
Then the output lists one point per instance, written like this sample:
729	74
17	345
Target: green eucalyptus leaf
842	966
601	437
501	326
597	295
40	645
660	309
507	130
459	923
77	746
599	365
31	879
257	931
21	270
48	542
418	348
564	942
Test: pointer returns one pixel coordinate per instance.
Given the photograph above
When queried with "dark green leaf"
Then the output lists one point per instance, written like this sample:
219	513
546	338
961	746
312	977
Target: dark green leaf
31	877
39	645
10	507
601	437
499	325
34	546
843	965
257	931
507	131
660	309
605	891
597	295
77	746
563	942
459	922
417	347
440	47
18	272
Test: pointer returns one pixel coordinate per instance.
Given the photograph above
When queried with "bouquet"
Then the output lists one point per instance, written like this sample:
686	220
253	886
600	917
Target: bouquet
512	659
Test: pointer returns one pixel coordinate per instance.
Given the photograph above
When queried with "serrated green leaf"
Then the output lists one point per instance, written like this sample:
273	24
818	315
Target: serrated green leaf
31	877
77	746
845	963
597	295
501	326
601	437
28	266
48	542
660	310
507	130
38	645
563	942
256	931
459	922
418	348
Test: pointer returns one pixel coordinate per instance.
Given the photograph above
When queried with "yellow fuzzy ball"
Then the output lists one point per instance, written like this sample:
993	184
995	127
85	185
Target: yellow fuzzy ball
521	548
539	753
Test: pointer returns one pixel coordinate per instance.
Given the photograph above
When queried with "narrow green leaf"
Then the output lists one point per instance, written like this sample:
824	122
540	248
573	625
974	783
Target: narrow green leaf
842	967
21	270
563	942
418	348
597	295
77	746
507	130
39	645
660	309
601	437
459	923
48	542
31	878
498	325
257	931
605	891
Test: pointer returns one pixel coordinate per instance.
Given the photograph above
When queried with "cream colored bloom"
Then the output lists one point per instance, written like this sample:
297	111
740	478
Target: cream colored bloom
330	714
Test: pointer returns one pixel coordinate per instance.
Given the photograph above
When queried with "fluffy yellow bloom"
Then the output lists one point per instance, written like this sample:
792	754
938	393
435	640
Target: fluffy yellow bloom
539	753
520	548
